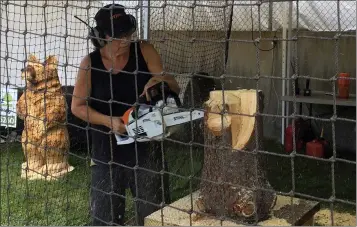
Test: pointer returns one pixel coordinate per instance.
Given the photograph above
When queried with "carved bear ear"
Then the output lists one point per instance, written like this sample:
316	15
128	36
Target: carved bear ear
51	61
32	58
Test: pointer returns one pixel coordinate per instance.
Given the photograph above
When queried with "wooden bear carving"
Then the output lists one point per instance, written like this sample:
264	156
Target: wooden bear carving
234	182
42	106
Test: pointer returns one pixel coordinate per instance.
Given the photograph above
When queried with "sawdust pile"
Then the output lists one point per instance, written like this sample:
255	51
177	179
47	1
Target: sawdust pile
274	222
323	217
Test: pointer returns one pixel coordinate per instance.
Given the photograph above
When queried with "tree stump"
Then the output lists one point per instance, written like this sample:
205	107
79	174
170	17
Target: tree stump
234	184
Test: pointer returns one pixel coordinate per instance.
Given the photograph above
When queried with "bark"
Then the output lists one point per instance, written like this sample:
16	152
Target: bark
231	178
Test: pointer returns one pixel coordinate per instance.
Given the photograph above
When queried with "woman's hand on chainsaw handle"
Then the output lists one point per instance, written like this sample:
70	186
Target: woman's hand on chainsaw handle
117	125
154	64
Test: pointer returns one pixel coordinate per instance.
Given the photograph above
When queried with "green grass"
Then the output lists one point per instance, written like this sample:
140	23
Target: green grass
66	202
312	177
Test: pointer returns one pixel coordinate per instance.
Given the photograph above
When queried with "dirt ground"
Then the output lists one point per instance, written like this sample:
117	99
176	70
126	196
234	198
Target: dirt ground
323	217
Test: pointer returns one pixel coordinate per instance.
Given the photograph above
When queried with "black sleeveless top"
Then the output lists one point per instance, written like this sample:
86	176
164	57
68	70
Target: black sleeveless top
124	92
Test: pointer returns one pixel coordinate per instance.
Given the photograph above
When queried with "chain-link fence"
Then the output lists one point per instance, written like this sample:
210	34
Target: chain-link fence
276	145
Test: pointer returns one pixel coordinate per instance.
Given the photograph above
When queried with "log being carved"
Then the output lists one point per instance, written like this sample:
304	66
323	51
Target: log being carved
231	179
42	106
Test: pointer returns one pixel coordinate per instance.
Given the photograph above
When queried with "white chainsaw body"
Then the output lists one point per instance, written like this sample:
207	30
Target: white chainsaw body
156	123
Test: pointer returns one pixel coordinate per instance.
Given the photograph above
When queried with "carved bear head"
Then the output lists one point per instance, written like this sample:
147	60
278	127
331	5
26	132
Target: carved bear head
37	71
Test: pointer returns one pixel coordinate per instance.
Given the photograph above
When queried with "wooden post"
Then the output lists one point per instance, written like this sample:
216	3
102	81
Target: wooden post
233	173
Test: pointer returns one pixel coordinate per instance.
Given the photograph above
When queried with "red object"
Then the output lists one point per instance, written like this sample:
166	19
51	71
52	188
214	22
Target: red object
343	85
315	148
289	143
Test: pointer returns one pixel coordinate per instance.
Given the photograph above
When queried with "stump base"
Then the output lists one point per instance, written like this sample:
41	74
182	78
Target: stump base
304	210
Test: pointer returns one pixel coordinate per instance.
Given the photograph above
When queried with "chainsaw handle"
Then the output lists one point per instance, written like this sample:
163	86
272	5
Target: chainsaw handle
177	98
167	92
156	88
142	100
123	140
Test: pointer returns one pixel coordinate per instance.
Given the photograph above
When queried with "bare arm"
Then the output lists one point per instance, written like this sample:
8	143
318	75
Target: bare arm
81	92
153	60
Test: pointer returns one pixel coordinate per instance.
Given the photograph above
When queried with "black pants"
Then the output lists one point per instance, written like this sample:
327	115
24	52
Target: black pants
110	183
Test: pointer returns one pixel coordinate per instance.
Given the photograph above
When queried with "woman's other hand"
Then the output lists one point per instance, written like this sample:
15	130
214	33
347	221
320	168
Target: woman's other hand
150	83
154	64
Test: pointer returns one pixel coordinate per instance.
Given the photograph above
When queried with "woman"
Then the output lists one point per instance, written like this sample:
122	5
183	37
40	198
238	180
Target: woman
112	165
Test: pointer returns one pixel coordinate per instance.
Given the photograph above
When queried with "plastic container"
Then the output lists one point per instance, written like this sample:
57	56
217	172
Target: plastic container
343	85
288	143
315	148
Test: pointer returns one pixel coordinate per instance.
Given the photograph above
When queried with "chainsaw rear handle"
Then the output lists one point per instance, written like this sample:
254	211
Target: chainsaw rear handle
124	140
155	93
176	97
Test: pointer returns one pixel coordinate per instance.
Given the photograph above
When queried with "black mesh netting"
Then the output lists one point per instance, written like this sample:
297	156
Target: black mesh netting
207	46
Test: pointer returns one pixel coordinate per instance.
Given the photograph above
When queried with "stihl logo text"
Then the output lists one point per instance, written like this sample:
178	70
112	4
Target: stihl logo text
178	118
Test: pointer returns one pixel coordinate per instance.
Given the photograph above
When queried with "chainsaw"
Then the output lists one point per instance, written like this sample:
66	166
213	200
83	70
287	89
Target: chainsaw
157	118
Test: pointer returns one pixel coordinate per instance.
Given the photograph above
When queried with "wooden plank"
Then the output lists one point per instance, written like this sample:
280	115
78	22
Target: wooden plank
320	99
177	214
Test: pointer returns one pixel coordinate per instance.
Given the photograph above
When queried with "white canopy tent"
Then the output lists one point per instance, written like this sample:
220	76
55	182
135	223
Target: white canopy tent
22	28
313	15
59	21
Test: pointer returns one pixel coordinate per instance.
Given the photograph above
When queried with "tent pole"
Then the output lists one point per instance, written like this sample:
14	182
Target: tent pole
145	19
285	63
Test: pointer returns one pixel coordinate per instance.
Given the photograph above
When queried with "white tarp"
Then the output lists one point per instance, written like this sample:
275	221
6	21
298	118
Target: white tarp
313	15
176	15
